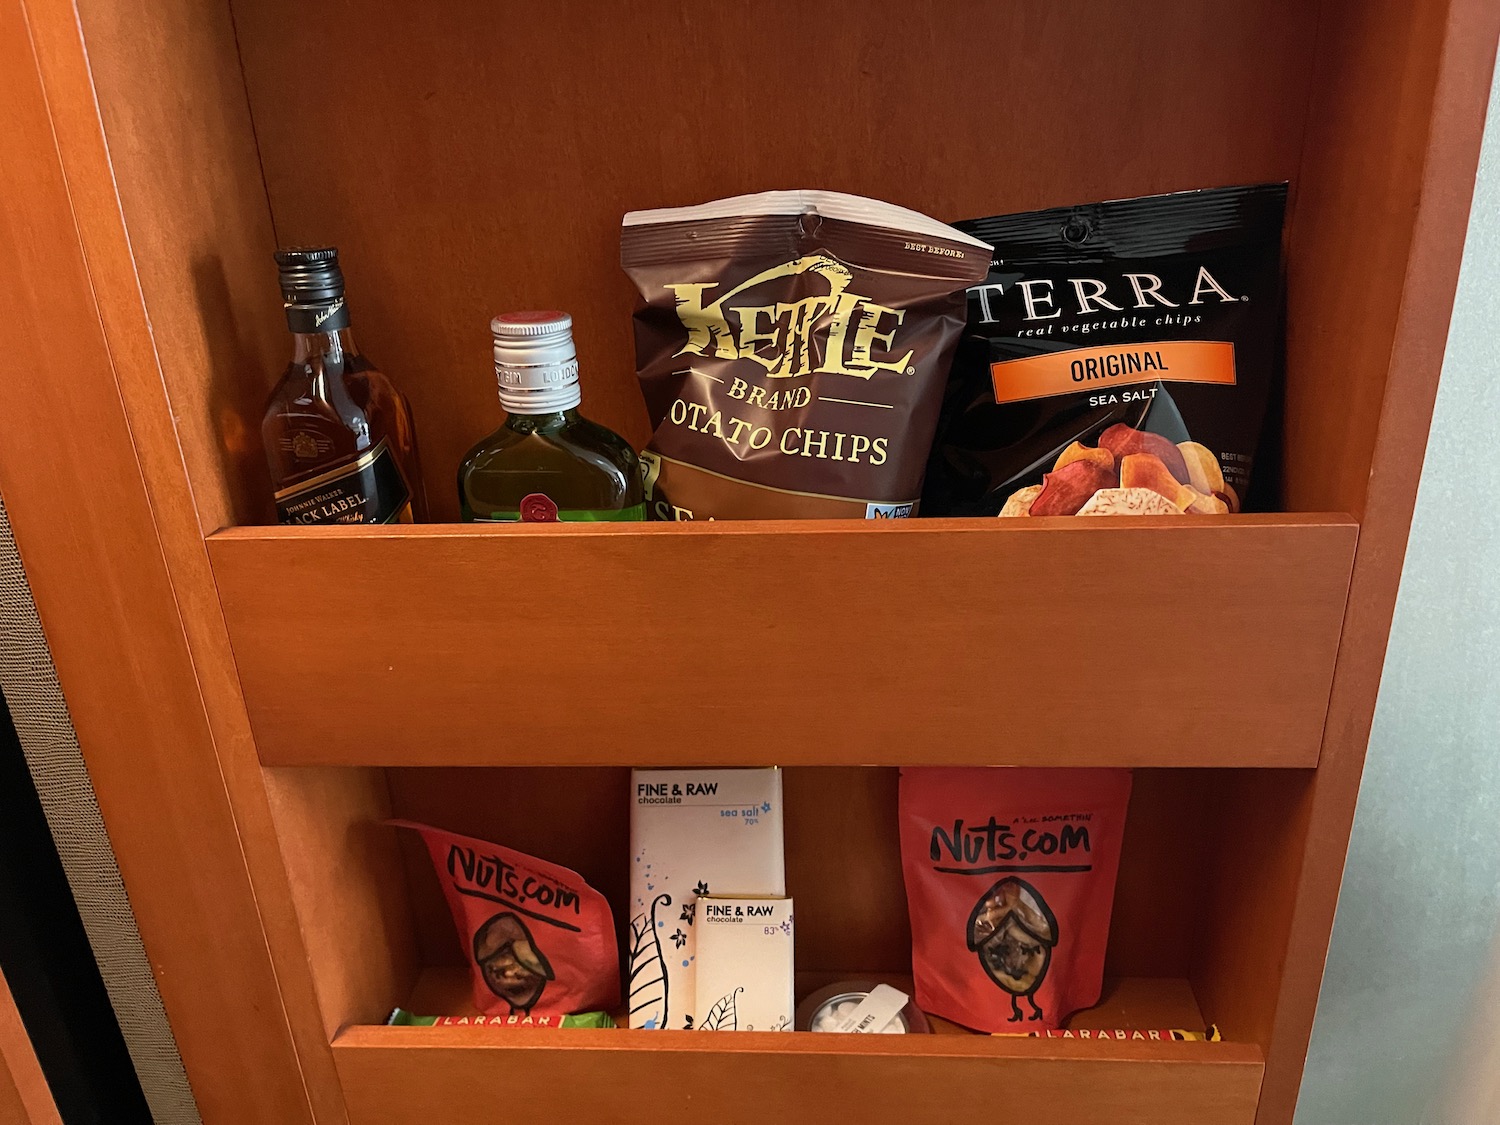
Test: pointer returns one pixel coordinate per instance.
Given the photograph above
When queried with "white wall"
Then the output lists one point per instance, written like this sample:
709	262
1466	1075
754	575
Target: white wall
1408	1024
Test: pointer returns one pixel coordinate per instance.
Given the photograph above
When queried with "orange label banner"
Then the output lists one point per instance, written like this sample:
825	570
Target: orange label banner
1088	369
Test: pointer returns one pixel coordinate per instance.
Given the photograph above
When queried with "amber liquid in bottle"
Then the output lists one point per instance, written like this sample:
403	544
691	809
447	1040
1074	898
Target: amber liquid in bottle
338	434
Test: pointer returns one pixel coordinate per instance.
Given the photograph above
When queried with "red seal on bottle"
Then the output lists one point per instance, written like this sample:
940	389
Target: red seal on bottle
537	508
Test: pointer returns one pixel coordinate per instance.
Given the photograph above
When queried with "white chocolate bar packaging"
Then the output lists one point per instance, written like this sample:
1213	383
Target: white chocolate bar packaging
744	968
693	833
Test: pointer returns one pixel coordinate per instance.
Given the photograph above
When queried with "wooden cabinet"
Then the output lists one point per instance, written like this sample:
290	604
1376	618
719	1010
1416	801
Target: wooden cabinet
252	701
24	1096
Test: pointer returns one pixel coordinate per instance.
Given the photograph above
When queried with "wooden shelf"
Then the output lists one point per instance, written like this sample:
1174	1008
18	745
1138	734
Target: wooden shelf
974	641
407	1076
146	331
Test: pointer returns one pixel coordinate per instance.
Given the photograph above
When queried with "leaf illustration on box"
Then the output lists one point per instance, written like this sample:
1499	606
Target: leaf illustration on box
648	969
722	1016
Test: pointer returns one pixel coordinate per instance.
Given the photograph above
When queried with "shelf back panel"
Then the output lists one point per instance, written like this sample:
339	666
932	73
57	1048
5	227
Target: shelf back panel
468	162
842	854
361	886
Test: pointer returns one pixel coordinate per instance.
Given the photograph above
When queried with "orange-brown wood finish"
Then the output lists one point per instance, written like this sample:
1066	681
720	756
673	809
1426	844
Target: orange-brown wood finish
479	168
109	525
743	643
87	532
356	920
25	1098
160	154
842	859
394	1076
1441	57
876	1078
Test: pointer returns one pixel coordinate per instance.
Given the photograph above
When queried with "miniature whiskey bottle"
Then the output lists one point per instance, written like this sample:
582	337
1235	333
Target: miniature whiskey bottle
338	434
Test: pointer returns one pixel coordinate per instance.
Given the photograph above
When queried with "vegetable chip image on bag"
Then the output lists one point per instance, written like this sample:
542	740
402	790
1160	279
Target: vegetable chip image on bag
1117	361
1010	880
537	938
792	348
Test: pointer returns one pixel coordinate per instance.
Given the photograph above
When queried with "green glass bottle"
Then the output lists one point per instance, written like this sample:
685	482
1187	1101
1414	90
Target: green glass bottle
547	463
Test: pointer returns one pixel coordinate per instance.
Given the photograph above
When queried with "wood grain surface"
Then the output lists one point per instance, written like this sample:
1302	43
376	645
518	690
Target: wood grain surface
1362	197
24	1096
351	899
934	642
1404	163
842	861
89	531
476	162
110	484
406	1076
187	183
468	160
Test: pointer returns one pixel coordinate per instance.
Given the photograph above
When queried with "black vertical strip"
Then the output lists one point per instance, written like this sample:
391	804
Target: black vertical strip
50	966
260	163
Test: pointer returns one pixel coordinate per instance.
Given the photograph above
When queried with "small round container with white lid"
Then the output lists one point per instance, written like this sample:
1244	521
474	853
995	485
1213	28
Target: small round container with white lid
826	1009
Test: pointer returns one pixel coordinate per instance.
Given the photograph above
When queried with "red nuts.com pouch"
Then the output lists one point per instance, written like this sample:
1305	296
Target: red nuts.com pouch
537	938
1010	879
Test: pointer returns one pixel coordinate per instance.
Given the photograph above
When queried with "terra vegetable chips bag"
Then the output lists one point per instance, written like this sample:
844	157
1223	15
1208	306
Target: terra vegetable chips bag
1010	879
538	939
1118	359
792	348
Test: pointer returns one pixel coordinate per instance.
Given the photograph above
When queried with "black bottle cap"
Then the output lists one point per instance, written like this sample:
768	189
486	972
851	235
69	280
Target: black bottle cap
310	275
312	289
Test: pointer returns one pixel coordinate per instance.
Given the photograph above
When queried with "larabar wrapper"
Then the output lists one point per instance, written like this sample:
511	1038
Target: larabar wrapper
538	939
1125	1034
1117	361
400	1017
792	348
1010	880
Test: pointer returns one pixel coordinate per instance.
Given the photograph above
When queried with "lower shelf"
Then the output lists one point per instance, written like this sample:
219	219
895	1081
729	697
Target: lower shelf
412	1076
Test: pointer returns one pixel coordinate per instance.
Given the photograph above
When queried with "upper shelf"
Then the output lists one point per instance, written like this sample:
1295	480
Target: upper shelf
1203	642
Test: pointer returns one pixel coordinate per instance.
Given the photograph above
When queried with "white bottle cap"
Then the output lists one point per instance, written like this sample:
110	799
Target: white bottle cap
536	364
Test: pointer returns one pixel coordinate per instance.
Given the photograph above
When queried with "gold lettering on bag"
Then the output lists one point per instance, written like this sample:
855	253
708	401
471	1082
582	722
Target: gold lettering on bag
782	337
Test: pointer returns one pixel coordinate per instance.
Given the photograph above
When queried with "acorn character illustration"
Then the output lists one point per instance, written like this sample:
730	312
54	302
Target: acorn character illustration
511	964
1013	930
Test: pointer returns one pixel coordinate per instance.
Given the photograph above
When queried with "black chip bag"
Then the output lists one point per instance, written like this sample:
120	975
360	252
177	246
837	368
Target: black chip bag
1117	360
792	348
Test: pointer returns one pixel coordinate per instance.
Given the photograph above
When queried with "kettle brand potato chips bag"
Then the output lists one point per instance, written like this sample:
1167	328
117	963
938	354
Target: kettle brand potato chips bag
1118	359
792	348
538	939
1010	880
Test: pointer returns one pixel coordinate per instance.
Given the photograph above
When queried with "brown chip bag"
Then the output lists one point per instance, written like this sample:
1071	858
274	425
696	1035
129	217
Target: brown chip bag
792	348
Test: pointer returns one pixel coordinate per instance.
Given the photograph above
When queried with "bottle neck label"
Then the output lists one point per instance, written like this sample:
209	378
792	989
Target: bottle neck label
326	317
539	389
366	489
